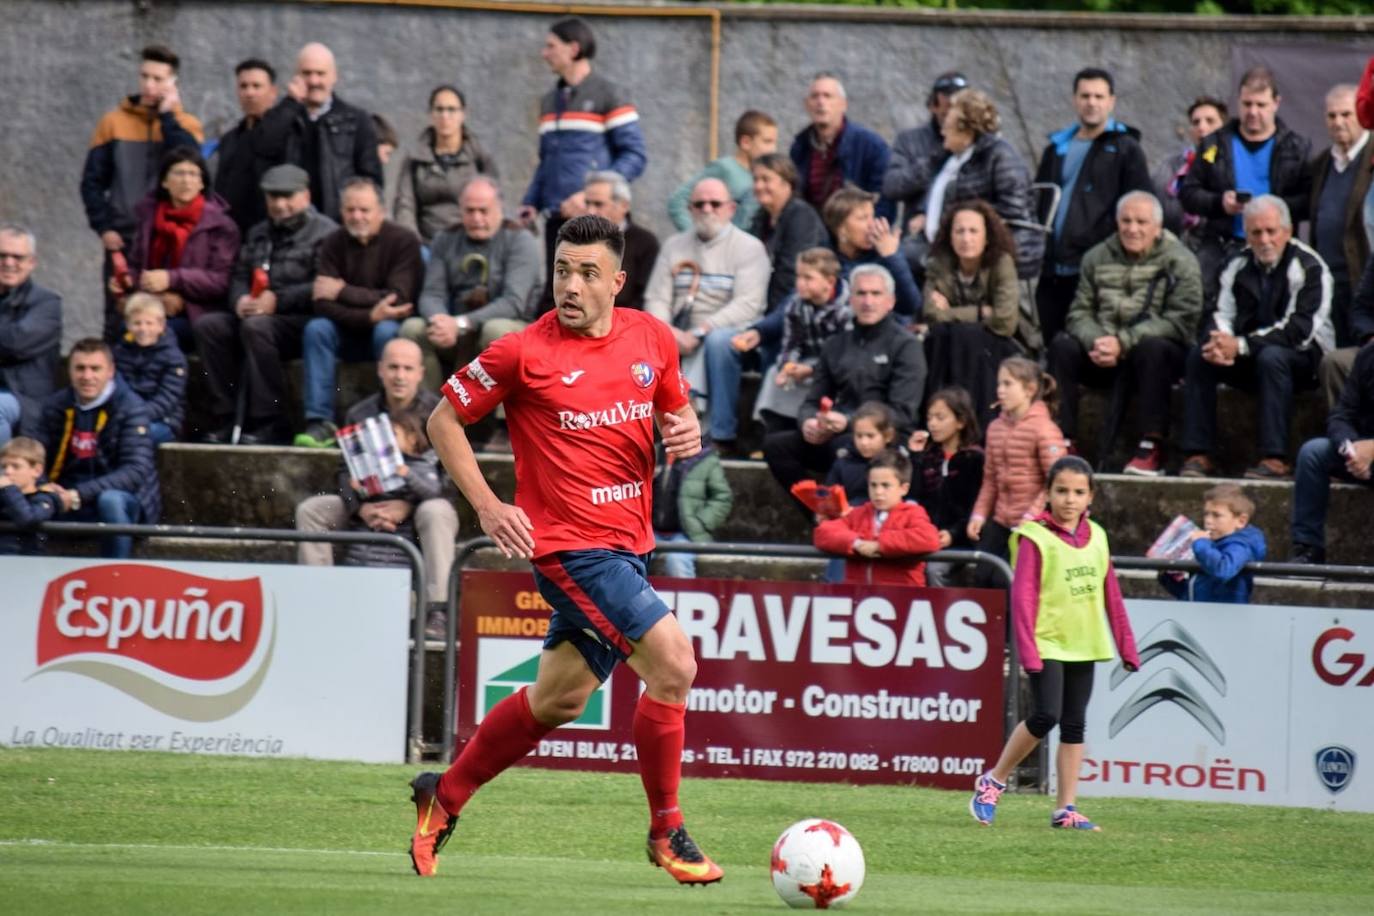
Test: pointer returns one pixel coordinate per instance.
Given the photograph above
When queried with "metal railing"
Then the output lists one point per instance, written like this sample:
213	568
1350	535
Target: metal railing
1011	692
415	693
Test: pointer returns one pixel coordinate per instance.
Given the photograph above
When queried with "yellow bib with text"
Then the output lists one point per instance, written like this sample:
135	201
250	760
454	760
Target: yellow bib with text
1071	625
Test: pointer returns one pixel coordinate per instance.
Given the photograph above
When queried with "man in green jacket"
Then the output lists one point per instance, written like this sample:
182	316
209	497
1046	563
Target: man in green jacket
1131	322
692	499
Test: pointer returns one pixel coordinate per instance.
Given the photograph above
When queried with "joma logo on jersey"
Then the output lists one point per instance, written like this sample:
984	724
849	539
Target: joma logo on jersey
617	492
620	412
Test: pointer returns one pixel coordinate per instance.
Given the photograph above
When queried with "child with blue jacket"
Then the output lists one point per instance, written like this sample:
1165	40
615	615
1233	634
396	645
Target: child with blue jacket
1225	544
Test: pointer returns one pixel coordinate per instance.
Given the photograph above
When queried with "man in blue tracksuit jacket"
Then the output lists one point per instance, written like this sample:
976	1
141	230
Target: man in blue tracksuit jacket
586	124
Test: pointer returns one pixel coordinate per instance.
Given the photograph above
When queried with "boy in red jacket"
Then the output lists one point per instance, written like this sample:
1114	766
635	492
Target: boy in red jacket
886	533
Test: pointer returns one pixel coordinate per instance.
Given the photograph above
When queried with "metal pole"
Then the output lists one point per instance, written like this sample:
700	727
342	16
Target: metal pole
415	735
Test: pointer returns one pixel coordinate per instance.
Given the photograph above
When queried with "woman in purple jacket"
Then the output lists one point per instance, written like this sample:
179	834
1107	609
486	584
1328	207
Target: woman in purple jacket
185	244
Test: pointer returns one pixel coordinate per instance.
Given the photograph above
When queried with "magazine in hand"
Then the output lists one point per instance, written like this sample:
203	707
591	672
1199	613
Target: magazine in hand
372	455
1175	542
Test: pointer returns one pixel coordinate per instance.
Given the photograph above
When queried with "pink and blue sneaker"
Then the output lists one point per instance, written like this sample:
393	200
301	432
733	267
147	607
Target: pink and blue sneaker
1069	818
983	804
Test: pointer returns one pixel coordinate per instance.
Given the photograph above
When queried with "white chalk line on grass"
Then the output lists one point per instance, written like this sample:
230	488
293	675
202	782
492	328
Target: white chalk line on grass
39	843
188	848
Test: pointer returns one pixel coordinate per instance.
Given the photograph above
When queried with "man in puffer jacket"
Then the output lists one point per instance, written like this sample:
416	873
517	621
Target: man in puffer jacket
96	436
1136	311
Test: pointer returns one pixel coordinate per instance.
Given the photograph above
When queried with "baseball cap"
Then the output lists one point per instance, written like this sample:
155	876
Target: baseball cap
284	179
948	83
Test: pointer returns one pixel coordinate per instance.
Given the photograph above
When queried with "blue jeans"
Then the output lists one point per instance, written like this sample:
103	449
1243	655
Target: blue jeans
723	364
678	565
112	507
1318	461
9	416
324	344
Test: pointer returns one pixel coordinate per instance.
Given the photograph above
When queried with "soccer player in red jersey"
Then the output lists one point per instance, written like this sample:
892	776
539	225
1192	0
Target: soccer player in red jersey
583	387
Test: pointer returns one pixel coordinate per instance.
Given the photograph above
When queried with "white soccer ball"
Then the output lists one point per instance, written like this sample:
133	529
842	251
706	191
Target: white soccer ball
817	865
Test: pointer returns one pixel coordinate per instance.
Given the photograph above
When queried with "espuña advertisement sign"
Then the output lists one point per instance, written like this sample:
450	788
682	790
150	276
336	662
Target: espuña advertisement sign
204	658
1241	703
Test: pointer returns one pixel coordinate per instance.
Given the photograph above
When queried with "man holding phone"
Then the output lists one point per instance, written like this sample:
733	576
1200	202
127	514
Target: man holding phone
121	164
1252	155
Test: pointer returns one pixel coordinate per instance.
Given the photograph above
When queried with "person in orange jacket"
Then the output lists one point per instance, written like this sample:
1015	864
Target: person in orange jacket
884	539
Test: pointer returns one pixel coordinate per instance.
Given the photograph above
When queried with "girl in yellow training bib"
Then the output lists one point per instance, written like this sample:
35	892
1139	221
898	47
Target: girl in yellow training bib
1067	612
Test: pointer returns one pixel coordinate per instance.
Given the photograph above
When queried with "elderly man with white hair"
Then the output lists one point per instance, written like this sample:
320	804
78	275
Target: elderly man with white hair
1270	327
709	283
1130	324
608	194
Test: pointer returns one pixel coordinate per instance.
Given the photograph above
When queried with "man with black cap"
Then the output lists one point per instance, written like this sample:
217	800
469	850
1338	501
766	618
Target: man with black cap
918	152
271	291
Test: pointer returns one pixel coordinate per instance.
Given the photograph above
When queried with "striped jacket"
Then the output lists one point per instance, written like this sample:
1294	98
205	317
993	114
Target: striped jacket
1299	306
121	164
588	127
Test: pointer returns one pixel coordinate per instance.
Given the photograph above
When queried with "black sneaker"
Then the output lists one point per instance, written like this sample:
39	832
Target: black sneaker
220	435
1308	555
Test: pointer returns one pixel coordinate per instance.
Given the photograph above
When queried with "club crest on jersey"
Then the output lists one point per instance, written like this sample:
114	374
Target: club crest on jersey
642	373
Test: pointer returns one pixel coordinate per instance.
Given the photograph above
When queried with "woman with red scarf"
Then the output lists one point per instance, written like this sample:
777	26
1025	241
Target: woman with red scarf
185	245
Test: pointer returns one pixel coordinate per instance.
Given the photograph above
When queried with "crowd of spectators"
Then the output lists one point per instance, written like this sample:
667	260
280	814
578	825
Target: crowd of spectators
847	271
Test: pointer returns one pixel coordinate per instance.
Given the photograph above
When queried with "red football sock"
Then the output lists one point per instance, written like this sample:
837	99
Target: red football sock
506	735
659	735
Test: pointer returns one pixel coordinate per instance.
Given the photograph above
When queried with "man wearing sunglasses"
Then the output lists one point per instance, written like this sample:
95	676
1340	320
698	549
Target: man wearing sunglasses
708	284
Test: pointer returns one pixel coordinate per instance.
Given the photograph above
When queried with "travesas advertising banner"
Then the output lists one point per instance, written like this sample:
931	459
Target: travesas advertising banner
204	658
1238	703
797	681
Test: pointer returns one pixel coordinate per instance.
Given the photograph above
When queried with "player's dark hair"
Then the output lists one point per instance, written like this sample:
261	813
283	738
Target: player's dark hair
1095	73
574	29
257	63
1070	464
894	461
593	230
161	54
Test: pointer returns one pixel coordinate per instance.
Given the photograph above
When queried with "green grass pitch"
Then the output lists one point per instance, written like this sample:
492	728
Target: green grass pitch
99	832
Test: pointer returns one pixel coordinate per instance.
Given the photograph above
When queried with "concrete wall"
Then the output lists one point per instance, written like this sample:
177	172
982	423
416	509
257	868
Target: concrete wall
64	63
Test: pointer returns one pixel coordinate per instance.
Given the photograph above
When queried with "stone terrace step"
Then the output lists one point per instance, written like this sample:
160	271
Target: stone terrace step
258	486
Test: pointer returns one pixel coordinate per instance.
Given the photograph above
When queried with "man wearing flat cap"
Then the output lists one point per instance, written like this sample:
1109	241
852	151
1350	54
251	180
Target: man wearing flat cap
271	294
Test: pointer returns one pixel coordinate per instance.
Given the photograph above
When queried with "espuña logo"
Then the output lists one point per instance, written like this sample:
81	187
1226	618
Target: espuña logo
187	645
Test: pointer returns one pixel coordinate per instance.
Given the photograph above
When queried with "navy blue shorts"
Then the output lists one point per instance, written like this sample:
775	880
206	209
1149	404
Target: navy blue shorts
601	600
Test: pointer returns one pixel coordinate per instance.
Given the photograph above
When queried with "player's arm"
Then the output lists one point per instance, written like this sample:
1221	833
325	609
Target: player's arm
505	524
681	432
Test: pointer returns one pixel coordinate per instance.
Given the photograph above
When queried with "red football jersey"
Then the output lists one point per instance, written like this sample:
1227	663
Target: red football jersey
581	417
